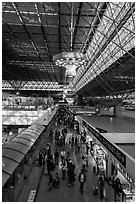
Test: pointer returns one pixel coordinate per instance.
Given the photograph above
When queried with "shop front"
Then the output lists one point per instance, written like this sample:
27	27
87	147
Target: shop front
115	170
89	142
111	162
100	160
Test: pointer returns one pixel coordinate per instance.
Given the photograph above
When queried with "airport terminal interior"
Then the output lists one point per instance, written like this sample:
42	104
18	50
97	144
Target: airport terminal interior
68	101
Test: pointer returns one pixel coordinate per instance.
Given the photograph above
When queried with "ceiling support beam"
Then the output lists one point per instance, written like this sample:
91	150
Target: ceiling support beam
59	37
109	39
59	26
77	23
91	34
45	38
32	42
18	42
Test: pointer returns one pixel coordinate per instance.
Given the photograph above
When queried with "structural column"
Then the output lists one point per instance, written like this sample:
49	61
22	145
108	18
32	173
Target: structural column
117	110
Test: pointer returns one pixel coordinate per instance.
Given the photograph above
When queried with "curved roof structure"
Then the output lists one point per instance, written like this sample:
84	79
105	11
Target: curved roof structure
33	32
14	151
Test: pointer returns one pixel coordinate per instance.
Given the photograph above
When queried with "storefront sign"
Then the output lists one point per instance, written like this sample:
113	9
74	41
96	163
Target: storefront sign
114	150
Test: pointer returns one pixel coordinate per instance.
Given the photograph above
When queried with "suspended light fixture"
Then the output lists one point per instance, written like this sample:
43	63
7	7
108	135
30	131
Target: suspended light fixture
70	60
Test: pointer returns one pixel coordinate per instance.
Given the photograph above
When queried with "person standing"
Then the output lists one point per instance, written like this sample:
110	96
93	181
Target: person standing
82	179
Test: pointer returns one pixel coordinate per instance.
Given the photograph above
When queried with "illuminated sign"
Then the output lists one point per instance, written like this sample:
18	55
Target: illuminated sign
114	150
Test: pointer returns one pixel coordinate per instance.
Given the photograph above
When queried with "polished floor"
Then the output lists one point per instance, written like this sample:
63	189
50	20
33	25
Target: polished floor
38	180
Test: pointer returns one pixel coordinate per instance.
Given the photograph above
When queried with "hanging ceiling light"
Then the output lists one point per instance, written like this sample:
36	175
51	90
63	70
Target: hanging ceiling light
70	60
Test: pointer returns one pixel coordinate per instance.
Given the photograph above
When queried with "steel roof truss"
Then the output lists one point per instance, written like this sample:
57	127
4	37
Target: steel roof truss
77	23
108	40
45	39
32	42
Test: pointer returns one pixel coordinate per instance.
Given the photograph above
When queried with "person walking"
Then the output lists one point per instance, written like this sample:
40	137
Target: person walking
101	187
40	158
76	141
72	140
48	165
117	189
64	167
56	156
69	142
64	139
83	163
63	154
70	172
87	148
51	181
67	158
57	180
82	180
86	160
48	149
78	146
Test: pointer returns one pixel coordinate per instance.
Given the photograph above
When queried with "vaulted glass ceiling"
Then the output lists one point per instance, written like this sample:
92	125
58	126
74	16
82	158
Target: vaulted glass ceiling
33	32
111	41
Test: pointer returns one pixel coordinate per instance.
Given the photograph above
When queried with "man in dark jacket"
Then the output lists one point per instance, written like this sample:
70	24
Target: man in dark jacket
56	155
70	172
101	187
117	188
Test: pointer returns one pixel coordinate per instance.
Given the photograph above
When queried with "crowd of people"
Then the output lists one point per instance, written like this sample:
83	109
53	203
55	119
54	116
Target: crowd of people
62	157
67	169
